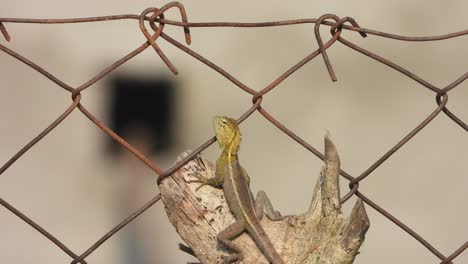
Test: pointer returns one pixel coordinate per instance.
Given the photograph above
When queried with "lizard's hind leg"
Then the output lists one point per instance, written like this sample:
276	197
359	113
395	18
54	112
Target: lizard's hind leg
228	234
263	206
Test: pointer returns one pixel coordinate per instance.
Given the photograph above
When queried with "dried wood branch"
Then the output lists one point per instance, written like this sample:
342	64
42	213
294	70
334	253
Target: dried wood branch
320	236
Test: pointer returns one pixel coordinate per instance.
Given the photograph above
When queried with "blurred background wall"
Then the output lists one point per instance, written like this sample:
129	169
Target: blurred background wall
70	183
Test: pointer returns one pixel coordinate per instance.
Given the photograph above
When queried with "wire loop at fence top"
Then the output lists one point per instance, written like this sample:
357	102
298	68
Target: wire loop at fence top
157	21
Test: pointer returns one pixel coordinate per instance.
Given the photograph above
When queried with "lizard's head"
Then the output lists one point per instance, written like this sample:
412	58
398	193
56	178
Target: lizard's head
227	132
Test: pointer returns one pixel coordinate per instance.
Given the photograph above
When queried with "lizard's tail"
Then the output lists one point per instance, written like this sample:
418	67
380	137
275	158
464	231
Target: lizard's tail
263	242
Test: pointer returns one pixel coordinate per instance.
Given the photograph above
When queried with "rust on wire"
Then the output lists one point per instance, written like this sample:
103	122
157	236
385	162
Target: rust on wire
320	43
155	18
152	39
456	253
337	27
116	229
39	229
4	32
46	131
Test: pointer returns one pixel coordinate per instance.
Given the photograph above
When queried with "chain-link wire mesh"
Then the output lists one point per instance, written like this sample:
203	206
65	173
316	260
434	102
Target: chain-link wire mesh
154	17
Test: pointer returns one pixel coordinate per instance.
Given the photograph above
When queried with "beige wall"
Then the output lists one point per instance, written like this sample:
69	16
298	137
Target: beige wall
67	185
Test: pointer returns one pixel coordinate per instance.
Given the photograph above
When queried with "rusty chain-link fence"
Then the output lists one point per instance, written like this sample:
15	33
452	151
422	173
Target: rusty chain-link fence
154	17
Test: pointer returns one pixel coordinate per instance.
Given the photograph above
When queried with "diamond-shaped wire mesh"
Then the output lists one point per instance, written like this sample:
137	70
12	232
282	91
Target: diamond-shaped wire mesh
154	17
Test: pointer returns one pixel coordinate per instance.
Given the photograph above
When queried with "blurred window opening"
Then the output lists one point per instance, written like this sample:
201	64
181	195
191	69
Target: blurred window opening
142	106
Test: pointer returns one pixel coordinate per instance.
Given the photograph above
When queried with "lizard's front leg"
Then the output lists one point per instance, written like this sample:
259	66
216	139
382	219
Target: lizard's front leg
262	203
216	181
228	234
263	206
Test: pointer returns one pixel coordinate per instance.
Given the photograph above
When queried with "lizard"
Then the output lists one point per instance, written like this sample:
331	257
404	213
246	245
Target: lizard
235	182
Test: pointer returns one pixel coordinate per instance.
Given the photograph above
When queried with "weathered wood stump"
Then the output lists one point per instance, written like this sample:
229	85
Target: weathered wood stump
320	236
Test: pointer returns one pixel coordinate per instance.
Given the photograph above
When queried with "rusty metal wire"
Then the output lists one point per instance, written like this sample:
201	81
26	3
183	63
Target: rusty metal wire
155	18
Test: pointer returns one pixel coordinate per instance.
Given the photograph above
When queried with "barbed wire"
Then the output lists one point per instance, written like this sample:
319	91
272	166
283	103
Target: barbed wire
156	20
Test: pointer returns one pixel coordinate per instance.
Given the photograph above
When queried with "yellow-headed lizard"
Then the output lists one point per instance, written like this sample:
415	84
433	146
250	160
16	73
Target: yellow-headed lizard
234	181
